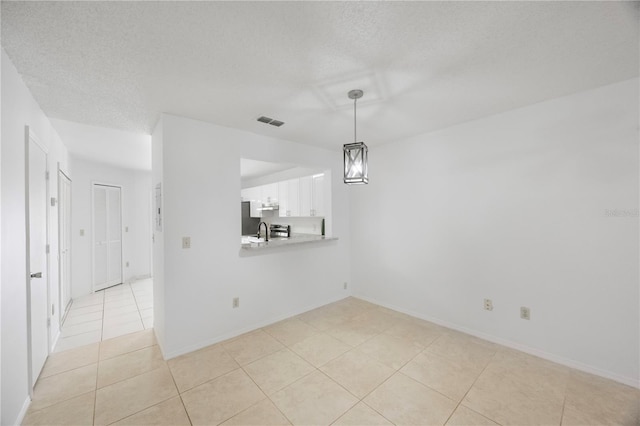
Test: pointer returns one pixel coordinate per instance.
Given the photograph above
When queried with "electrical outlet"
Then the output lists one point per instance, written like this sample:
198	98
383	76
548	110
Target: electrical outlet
127	264
525	313
186	242
345	286
82	232
488	305
236	302
126	229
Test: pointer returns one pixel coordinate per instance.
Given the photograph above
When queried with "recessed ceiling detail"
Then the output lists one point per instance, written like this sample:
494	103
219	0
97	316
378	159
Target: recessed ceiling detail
332	91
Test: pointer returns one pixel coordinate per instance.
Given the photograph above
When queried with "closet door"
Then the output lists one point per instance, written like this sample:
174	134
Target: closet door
107	236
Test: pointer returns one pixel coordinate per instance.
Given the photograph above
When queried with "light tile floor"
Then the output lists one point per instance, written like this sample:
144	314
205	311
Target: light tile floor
347	363
125	308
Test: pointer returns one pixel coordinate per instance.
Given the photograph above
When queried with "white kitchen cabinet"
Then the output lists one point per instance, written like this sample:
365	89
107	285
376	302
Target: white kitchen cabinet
269	193
255	196
317	195
294	197
302	197
283	193
251	194
311	192
306	197
288	191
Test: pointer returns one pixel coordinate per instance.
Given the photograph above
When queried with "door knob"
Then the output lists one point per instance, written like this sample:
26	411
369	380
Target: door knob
37	275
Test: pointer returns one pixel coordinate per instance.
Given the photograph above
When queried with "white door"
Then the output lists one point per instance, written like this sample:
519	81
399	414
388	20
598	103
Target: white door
64	217
37	293
107	236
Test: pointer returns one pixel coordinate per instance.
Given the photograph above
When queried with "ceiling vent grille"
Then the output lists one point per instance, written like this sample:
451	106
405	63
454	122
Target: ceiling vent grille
271	121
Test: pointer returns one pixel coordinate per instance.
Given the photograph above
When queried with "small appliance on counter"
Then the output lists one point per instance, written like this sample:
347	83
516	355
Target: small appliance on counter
280	231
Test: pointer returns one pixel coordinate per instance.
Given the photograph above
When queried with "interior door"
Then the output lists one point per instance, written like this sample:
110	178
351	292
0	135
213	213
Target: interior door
107	236
37	293
64	217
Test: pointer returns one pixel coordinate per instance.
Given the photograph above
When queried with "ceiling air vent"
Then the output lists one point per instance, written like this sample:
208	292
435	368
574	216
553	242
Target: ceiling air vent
271	121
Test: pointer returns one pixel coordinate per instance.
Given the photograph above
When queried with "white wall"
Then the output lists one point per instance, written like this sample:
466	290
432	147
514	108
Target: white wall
19	109
513	208
136	215
201	182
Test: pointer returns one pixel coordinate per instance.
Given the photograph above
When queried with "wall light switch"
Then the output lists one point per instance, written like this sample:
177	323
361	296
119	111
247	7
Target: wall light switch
126	229
186	242
82	232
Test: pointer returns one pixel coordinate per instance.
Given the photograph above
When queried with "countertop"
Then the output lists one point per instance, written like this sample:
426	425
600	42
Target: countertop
280	242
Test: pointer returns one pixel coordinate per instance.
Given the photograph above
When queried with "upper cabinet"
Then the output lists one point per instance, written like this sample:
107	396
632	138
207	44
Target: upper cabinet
306	191
312	196
289	193
302	197
270	193
251	194
317	195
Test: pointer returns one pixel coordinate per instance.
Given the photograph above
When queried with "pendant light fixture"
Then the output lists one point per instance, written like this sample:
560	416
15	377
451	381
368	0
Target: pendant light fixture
356	153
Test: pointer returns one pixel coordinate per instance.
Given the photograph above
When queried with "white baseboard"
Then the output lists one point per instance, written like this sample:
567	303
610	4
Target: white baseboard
138	278
235	333
23	411
629	381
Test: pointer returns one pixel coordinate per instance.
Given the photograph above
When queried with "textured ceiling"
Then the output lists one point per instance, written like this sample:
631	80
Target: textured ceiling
423	65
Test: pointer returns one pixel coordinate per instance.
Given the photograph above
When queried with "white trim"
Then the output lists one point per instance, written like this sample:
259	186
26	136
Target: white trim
57	336
243	330
36	140
27	262
23	411
93	242
31	137
138	278
629	381
62	308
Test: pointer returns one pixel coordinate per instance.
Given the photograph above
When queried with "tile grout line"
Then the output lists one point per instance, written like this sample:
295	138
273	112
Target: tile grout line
95	395
399	372
104	302
135	300
254	382
471	387
149	371
494	358
564	399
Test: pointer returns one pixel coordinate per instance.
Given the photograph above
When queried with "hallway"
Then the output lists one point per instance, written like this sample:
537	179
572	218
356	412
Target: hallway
113	312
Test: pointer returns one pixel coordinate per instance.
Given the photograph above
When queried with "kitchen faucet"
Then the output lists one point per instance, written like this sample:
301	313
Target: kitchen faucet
266	230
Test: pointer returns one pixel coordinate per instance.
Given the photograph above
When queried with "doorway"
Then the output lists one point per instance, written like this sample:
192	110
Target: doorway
37	256
64	229
107	235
